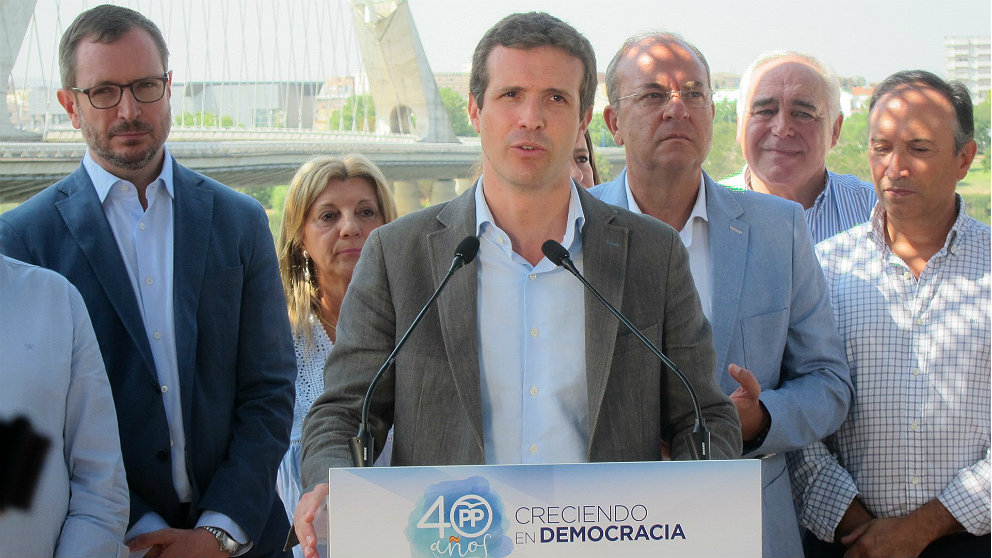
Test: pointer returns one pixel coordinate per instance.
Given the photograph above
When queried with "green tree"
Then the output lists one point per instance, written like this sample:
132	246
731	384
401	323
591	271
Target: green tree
457	110
600	134
983	123
352	115
850	155
725	158
206	119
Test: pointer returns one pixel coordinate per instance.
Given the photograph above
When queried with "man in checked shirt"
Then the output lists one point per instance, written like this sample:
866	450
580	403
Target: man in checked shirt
907	474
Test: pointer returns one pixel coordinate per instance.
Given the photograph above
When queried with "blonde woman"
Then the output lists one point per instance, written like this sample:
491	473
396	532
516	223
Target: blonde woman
332	205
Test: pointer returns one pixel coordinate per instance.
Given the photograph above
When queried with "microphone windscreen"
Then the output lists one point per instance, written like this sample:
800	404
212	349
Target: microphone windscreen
468	248
554	251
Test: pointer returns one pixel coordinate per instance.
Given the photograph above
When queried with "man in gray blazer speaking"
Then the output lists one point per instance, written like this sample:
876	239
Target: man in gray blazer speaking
517	363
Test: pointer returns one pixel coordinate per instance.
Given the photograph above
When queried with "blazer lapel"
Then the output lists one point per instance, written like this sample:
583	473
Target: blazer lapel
84	217
193	217
728	258
458	305
604	262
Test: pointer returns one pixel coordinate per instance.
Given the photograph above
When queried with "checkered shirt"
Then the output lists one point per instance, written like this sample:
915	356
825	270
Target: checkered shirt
919	356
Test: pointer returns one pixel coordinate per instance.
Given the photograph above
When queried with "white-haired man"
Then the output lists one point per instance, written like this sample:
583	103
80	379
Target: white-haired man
788	120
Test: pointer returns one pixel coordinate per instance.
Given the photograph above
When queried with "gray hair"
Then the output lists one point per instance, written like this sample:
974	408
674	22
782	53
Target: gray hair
831	83
656	37
105	24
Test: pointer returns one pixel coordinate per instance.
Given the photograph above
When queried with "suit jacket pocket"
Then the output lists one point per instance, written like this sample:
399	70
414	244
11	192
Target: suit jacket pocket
764	341
220	303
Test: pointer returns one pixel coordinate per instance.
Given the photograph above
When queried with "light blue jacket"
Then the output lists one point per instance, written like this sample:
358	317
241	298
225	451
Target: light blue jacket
771	315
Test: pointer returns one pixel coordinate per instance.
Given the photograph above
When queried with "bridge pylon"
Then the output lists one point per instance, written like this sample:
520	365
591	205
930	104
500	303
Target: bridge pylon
15	15
403	88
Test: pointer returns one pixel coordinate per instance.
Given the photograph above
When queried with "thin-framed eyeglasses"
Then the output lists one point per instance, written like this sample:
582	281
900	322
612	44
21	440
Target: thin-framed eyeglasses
108	95
695	96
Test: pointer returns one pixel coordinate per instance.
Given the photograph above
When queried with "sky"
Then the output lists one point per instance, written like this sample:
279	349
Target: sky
868	38
300	39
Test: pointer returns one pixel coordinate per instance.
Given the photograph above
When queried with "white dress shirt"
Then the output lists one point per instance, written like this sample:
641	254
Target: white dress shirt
695	235
145	237
532	358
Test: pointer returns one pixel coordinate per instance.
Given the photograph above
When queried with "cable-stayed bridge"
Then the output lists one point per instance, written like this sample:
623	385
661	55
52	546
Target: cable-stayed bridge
258	87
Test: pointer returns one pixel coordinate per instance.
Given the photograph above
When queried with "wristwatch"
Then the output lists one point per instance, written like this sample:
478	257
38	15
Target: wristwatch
224	540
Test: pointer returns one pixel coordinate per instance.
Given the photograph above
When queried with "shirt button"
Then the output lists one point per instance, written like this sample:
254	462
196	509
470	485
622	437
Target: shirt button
500	240
906	274
914	425
532	276
919	321
157	335
149	280
165	389
917	371
915	480
533	332
533	390
125	188
141	226
533	448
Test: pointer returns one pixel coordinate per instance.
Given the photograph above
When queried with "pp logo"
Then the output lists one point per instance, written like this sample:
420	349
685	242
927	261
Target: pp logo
471	516
459	518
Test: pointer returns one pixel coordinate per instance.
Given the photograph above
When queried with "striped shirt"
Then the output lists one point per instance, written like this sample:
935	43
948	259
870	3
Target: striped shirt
919	356
845	201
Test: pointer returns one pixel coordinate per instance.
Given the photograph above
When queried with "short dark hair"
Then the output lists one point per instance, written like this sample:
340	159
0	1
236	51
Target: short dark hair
531	30
955	92
105	24
613	83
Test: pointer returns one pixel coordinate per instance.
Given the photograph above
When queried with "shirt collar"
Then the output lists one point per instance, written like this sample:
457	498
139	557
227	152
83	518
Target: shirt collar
576	217
698	208
826	194
103	180
820	198
951	243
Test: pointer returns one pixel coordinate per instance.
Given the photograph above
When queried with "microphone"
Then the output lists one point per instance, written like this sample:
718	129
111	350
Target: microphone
360	444
558	255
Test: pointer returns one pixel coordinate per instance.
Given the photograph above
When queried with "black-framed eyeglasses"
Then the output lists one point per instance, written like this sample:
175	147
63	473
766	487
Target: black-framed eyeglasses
108	95
695	96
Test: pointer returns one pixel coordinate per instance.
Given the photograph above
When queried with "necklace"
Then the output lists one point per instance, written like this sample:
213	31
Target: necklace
327	324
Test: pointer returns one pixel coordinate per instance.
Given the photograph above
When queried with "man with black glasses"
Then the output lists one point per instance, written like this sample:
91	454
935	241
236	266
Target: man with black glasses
180	277
778	354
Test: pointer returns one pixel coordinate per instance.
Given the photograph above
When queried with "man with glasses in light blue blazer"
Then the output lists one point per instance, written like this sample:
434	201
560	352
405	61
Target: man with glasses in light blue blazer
777	351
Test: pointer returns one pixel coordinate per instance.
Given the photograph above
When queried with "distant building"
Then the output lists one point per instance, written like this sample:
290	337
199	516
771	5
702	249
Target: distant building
967	59
275	104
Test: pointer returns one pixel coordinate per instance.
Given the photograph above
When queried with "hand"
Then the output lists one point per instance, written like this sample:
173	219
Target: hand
884	537
306	510
179	543
900	536
754	416
856	517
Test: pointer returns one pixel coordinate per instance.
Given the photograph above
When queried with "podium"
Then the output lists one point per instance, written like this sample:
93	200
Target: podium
661	508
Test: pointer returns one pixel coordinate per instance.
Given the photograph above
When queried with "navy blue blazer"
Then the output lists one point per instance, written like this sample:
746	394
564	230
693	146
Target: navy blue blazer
771	314
237	365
